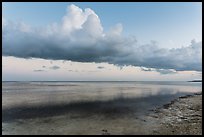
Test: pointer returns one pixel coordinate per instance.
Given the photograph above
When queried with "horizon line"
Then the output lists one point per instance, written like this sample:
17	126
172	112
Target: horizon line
100	80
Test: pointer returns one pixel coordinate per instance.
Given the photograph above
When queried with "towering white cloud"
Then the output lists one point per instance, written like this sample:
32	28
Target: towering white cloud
76	19
80	37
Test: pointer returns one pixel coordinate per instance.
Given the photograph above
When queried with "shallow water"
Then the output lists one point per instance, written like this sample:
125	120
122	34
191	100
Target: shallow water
112	105
68	92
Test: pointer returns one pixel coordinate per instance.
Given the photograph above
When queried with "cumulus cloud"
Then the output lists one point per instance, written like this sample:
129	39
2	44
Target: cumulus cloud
146	69
100	67
80	37
38	70
166	71
161	71
55	67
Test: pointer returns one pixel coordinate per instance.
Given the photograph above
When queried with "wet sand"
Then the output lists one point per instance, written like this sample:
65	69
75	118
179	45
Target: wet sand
119	116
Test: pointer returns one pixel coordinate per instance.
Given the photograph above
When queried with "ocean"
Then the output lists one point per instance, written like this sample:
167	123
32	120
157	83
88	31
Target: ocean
79	104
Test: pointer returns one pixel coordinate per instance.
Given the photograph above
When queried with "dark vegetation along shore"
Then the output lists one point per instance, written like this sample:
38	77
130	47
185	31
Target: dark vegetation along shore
195	81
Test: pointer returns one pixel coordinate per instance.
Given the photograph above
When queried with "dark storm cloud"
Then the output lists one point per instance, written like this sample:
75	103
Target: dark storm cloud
85	41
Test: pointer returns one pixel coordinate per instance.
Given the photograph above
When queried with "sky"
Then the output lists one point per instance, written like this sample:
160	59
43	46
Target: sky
101	41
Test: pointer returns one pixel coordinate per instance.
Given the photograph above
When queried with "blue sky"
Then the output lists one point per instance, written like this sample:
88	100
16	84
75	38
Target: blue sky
171	25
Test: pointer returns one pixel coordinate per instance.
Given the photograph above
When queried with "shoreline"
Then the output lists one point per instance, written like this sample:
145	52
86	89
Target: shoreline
182	116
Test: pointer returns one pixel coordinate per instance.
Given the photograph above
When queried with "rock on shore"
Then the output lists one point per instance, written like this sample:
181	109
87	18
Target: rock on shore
182	116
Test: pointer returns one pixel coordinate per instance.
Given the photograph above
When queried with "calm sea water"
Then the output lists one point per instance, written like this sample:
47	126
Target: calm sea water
85	107
33	93
77	103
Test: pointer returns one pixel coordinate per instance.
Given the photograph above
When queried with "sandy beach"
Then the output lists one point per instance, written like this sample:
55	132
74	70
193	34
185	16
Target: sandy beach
180	116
